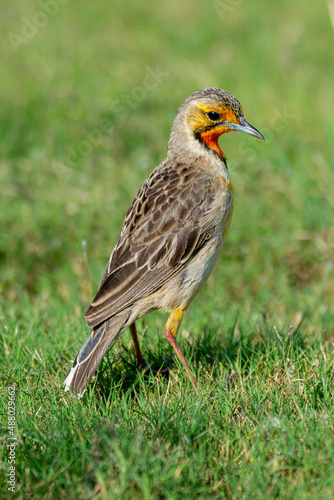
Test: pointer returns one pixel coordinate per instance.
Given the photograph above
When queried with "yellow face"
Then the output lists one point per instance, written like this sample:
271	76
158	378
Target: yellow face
209	119
215	115
212	119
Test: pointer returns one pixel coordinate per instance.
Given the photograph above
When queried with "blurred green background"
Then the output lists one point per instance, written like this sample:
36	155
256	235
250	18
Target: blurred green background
88	95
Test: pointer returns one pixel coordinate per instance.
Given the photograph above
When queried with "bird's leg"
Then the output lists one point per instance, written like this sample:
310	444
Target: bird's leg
139	356
171	329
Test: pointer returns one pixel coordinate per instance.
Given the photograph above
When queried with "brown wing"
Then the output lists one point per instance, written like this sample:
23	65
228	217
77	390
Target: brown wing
160	234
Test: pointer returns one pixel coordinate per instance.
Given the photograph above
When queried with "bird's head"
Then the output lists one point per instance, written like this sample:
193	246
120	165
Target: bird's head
207	114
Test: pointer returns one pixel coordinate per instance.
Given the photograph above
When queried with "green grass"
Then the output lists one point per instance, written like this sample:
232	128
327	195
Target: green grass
83	124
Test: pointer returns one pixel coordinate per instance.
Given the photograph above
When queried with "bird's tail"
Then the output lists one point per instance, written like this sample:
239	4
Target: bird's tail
93	350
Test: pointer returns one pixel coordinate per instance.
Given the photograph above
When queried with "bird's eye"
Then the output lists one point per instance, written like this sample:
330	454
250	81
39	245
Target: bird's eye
213	115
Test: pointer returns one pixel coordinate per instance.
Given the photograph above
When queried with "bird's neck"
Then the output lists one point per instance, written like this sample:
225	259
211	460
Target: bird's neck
185	146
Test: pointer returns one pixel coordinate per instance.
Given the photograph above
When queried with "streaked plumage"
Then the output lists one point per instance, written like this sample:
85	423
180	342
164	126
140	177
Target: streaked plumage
172	234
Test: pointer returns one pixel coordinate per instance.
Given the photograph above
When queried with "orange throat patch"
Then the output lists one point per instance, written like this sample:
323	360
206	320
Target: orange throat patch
211	140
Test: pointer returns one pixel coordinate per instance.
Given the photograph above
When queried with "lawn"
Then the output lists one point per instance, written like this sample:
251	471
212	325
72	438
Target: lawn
88	95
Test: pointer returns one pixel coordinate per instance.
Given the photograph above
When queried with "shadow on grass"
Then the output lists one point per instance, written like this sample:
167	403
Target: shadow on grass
119	370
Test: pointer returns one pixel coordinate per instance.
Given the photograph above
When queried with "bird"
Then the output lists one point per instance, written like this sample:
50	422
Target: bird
172	234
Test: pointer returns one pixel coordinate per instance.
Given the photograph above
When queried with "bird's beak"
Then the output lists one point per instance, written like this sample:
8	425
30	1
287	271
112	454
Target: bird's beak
246	127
